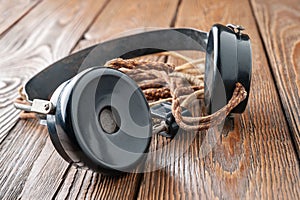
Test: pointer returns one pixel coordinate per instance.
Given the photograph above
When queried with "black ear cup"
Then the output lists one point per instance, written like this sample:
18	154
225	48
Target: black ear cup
102	121
228	61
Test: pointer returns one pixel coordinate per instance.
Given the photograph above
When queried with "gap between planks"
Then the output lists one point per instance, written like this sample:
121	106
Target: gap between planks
287	92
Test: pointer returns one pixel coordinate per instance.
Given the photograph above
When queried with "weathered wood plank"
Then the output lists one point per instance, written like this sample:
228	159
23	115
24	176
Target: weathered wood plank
14	10
47	33
83	184
118	18
45	174
254	160
279	25
129	17
18	152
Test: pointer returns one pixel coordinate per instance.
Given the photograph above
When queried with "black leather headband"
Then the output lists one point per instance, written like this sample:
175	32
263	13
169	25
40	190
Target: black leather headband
42	85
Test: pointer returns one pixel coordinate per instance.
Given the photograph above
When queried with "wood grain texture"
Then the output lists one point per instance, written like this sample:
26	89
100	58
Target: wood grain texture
279	25
83	184
49	32
26	154
127	17
255	159
117	17
14	10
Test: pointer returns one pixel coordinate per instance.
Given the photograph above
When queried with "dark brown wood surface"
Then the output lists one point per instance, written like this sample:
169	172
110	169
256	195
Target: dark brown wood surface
237	167
255	158
279	25
47	33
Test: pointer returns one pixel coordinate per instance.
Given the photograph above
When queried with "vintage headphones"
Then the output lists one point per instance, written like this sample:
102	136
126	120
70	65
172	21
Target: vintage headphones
88	121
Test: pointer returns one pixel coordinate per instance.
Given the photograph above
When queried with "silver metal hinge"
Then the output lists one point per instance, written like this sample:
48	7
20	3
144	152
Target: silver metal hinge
38	106
236	28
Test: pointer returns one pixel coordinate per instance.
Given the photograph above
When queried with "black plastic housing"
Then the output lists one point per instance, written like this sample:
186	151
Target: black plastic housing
75	130
228	61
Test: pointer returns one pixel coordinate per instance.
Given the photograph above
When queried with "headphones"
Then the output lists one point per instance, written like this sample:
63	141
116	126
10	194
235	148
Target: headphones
99	118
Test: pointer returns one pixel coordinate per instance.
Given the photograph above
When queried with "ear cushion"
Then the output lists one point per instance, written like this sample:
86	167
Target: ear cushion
104	120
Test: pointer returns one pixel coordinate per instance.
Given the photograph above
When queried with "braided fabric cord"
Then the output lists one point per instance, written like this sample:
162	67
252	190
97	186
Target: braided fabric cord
161	82
164	82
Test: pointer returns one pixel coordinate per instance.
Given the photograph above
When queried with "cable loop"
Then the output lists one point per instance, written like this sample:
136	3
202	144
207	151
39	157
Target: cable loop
177	85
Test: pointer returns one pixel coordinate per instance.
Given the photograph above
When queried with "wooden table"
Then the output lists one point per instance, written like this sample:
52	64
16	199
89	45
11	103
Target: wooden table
258	158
